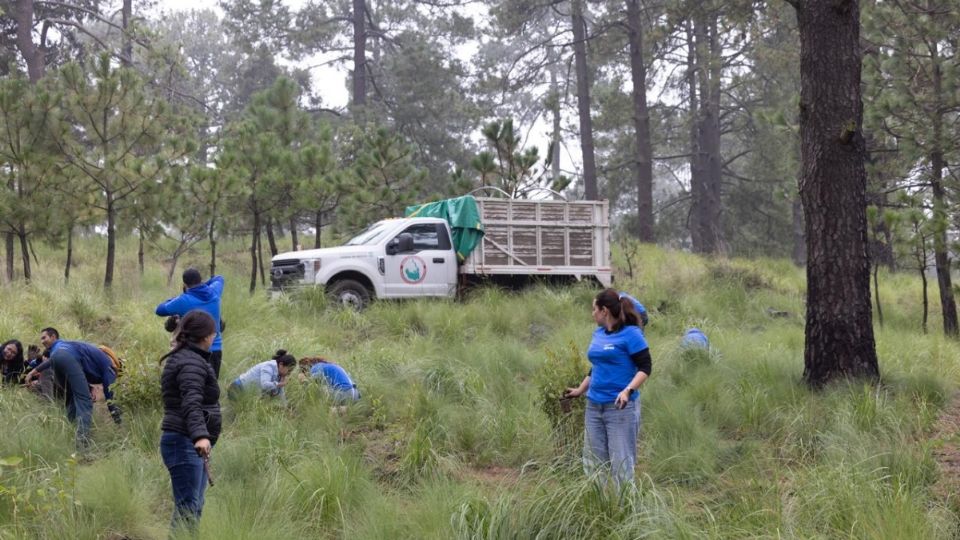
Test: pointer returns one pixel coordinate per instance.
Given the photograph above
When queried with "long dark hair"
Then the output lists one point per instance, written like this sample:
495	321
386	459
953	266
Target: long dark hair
284	359
620	306
191	330
18	357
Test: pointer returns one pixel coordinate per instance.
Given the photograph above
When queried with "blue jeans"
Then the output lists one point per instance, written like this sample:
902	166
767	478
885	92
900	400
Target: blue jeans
68	375
188	477
345	396
610	439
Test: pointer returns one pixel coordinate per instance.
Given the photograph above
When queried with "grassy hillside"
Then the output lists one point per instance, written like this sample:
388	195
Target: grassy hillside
451	439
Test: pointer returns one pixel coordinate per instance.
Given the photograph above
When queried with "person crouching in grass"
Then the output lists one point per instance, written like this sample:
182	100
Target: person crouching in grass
333	377
268	377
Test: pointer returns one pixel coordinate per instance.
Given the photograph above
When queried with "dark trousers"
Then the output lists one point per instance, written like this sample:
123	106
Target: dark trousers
69	376
215	358
188	478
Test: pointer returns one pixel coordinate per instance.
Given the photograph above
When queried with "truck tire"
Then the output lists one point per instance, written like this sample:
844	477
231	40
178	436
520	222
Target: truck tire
349	293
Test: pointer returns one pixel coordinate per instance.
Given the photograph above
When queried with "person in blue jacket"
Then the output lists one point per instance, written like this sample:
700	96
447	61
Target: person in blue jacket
333	376
268	377
620	362
78	367
204	296
694	338
641	310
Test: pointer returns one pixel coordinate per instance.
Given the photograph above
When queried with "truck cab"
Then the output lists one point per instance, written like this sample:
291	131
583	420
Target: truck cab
393	258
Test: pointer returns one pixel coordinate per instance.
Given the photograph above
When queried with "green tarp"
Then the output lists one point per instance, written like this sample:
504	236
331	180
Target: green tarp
464	219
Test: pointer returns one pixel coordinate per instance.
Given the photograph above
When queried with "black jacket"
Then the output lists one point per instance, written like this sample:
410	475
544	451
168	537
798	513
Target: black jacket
191	395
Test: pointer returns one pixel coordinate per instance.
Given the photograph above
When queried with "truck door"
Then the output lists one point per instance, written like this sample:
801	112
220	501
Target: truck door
422	271
437	253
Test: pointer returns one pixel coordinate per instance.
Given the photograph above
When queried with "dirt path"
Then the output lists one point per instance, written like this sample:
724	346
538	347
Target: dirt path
946	436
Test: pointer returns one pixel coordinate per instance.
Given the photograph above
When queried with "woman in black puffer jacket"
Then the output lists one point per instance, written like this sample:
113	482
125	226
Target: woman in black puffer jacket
191	415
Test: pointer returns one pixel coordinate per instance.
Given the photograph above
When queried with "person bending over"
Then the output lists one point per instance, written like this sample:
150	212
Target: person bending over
336	379
268	377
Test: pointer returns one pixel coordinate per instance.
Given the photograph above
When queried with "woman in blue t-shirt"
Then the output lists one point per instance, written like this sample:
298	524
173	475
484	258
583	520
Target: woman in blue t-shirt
335	378
620	362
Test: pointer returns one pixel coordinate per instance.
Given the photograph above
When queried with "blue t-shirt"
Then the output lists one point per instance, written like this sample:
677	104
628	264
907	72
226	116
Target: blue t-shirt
335	375
613	369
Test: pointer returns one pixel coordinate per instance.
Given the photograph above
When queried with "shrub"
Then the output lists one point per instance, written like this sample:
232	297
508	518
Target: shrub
563	368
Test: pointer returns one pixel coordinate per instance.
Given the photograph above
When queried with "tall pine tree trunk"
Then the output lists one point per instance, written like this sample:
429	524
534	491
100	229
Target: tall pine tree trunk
838	339
590	191
555	135
111	240
127	16
271	238
33	55
641	122
941	255
24	251
359	55
294	237
10	250
706	198
66	267
211	235
697	181
140	250
253	251
318	224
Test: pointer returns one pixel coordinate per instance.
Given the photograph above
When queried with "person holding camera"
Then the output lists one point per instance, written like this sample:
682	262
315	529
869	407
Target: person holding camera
201	295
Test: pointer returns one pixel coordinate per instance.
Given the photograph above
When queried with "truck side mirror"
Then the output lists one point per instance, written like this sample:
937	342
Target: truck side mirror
402	243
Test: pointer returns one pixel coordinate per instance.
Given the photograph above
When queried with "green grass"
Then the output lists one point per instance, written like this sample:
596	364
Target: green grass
451	439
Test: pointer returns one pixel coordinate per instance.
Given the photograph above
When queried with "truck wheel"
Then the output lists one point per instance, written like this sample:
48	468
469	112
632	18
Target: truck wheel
349	293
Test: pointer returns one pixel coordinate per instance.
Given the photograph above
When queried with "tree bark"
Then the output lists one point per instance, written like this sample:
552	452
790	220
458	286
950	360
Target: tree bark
641	123
359	54
555	136
111	240
211	235
941	256
66	268
799	241
24	252
706	197
697	182
253	252
140	251
32	54
317	244
838	338
590	191
271	238
294	237
127	14
9	246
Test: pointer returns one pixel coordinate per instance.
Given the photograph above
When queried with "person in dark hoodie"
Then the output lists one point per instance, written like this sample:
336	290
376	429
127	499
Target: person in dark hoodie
80	369
204	296
11	361
191	416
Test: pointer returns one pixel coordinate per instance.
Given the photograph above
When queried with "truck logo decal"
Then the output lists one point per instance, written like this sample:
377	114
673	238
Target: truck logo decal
413	270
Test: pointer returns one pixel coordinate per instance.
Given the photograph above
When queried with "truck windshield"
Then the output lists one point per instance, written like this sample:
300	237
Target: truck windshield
370	235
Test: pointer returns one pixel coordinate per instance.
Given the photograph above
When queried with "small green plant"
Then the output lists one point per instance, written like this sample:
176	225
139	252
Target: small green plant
563	368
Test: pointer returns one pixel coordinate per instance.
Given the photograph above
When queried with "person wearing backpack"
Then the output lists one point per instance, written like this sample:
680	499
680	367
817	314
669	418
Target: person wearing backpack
204	296
84	373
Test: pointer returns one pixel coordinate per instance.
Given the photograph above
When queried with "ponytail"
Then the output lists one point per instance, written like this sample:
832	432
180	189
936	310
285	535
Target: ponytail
620	307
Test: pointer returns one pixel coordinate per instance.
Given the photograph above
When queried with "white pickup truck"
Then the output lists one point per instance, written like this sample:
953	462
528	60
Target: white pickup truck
523	240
